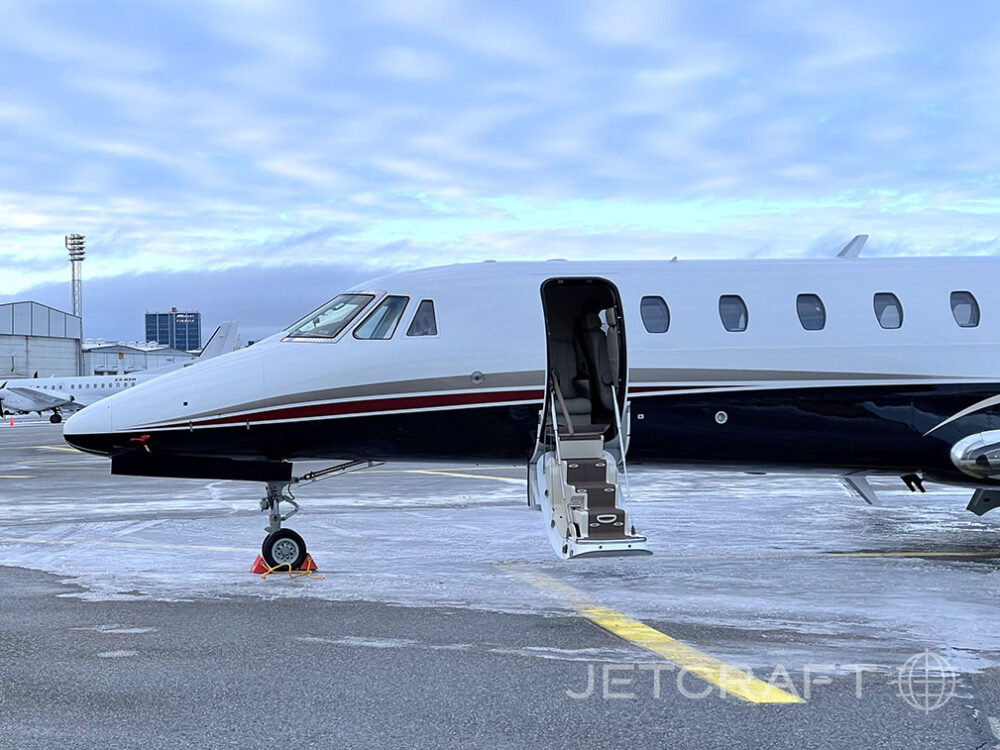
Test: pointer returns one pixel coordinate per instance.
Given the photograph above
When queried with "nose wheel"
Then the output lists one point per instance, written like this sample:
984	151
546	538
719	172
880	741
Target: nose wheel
283	547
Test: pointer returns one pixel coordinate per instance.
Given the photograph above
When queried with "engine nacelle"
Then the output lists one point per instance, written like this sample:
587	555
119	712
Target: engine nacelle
978	455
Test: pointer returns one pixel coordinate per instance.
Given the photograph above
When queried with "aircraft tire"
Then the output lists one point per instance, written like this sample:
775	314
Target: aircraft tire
55	418
283	546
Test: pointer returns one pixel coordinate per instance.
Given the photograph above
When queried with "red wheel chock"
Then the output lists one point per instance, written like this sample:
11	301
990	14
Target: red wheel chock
259	567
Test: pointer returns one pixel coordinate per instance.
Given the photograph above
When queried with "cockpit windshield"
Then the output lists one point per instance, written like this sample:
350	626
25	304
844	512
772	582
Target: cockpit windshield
328	321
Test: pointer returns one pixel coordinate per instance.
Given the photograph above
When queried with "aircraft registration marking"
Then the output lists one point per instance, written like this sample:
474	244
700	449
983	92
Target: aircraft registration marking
729	679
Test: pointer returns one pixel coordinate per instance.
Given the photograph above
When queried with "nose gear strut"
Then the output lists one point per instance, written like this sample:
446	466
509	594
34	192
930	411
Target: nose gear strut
283	547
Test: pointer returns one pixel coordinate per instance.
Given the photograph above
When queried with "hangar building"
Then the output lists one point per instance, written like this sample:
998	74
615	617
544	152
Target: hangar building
38	338
108	358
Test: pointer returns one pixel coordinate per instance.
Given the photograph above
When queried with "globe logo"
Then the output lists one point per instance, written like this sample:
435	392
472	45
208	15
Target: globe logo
927	681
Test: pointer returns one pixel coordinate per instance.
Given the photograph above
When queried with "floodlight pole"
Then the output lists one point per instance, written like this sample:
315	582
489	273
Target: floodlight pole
75	244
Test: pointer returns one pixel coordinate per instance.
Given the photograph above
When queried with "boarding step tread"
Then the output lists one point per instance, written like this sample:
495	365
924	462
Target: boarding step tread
586	471
600	495
606	523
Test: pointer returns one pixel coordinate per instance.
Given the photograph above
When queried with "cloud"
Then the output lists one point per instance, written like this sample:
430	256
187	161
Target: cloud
410	65
263	299
204	138
644	23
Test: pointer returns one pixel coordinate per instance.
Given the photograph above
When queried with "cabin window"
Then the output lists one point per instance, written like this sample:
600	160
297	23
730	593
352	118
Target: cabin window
965	309
382	321
655	314
812	314
424	322
733	312
888	311
328	321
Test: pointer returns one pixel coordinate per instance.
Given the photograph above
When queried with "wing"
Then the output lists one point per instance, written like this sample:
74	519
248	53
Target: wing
43	399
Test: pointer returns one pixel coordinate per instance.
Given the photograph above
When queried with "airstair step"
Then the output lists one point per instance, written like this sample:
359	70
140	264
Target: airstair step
599	495
586	471
606	523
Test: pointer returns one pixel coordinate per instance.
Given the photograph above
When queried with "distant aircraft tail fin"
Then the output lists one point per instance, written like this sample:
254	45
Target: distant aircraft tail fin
222	341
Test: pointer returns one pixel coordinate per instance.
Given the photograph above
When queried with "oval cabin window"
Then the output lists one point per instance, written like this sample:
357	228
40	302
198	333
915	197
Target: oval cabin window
965	309
655	314
812	314
733	312
888	310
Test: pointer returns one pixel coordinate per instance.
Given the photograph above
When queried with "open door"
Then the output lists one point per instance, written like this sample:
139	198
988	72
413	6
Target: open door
578	466
585	337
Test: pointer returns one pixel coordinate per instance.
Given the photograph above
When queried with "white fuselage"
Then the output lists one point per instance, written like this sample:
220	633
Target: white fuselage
490	351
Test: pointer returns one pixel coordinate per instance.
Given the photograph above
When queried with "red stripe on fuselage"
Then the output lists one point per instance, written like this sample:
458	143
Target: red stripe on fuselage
396	403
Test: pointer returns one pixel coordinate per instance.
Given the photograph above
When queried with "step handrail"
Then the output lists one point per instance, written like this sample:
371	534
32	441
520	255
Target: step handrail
622	443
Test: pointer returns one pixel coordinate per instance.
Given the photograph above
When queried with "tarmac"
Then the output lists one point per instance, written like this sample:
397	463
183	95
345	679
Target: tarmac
775	611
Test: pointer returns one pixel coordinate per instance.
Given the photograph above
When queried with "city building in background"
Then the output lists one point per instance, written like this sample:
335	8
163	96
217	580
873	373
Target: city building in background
36	338
175	329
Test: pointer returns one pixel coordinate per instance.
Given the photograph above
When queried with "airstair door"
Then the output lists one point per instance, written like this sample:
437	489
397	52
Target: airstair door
577	475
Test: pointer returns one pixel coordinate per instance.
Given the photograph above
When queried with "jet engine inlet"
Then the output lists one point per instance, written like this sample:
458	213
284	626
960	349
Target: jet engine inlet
978	455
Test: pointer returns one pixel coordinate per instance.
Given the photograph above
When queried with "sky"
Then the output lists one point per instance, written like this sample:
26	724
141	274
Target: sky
253	159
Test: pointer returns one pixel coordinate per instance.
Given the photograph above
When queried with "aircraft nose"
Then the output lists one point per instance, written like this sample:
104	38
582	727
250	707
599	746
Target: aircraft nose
92	429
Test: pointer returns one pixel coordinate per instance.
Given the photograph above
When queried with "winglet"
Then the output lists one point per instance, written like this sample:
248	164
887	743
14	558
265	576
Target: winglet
853	248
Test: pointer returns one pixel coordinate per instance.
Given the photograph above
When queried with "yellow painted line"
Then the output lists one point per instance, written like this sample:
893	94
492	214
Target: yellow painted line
729	679
17	476
461	475
141	545
751	556
23	447
911	553
57	448
125	545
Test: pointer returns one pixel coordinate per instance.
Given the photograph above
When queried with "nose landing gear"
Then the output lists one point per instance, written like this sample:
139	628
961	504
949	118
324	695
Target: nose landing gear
281	546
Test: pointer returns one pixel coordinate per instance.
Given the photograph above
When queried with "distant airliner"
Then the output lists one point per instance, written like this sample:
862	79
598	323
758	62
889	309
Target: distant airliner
26	395
845	366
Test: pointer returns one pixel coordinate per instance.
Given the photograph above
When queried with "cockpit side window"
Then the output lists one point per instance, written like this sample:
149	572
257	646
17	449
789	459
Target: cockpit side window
424	322
328	321
382	321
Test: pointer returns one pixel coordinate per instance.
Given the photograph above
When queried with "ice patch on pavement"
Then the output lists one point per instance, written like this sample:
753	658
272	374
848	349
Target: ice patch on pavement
743	566
610	655
118	629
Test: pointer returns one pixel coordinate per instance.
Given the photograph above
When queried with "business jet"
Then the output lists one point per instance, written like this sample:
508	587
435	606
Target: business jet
846	366
70	394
